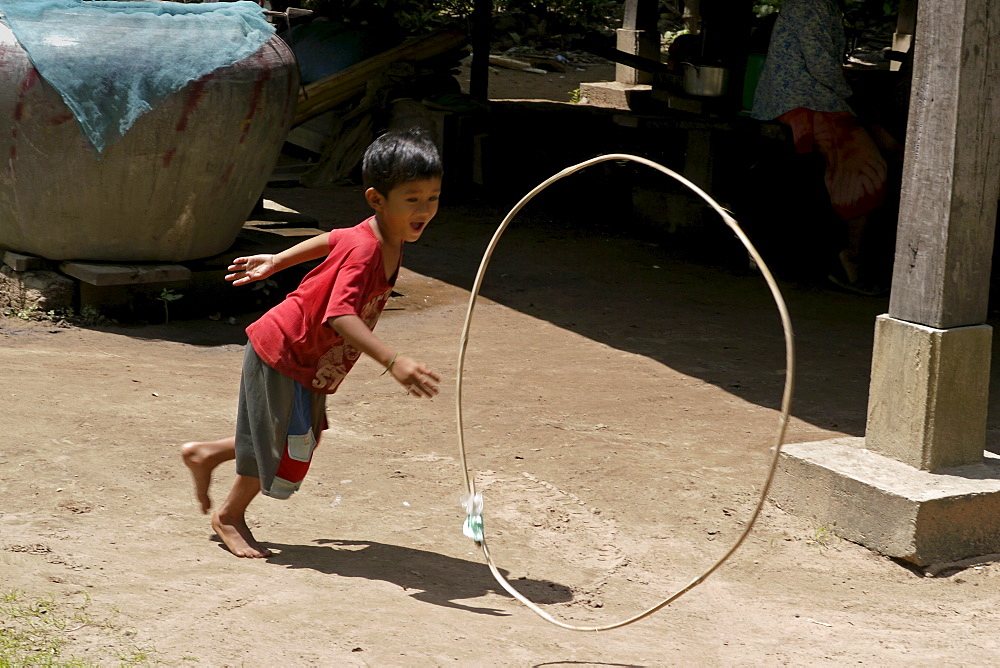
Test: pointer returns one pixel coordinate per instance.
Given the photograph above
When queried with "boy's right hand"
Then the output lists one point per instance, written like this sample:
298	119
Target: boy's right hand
249	269
419	380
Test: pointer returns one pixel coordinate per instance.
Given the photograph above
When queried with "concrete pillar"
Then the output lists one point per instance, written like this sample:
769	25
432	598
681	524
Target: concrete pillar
640	43
640	37
929	392
919	485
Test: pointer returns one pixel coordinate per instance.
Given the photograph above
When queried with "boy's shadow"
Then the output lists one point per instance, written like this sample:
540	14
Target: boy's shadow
432	577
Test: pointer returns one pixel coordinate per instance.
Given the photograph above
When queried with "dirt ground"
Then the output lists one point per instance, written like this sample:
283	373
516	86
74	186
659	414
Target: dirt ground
619	402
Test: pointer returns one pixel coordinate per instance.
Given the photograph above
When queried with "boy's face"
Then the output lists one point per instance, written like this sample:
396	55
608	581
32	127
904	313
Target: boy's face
403	214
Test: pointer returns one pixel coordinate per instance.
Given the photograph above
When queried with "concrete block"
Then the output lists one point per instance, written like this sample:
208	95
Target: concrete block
890	507
929	393
40	290
639	43
615	95
901	42
125	274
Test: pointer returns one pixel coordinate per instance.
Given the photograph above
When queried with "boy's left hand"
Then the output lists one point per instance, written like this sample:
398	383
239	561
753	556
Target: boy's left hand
253	268
419	380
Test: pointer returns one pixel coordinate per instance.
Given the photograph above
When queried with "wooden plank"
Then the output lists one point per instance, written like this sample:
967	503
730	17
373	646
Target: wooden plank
949	201
21	262
319	96
124	274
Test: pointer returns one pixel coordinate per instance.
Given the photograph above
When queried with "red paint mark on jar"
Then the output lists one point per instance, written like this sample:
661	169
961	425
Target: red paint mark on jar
196	94
263	76
5	52
168	157
29	81
60	119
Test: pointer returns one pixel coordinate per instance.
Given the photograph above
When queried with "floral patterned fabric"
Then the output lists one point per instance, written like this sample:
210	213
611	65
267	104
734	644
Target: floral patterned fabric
804	62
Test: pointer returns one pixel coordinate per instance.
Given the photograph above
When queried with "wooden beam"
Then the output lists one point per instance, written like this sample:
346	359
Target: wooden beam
328	92
599	47
948	208
906	19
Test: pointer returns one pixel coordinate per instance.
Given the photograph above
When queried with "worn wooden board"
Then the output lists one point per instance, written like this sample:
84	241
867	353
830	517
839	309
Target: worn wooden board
949	201
124	274
22	262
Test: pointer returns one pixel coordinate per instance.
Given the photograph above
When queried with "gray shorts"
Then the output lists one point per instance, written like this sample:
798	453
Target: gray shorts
277	427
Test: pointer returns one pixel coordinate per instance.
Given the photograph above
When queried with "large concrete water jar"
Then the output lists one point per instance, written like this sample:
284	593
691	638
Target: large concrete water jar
178	186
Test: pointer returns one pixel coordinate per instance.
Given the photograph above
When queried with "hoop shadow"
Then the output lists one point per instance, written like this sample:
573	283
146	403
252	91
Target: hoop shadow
587	663
431	577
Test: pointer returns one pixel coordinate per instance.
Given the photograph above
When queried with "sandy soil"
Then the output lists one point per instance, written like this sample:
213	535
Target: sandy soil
619	408
510	84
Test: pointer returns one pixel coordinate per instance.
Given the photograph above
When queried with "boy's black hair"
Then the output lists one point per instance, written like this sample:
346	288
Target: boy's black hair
400	157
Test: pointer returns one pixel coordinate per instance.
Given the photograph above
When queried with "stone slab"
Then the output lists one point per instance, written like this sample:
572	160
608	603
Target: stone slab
124	274
890	507
615	95
22	262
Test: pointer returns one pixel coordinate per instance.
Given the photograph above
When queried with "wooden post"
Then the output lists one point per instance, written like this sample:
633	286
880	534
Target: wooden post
949	201
930	368
479	72
906	26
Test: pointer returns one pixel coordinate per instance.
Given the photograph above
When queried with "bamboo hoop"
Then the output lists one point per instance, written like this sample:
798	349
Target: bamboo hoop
786	398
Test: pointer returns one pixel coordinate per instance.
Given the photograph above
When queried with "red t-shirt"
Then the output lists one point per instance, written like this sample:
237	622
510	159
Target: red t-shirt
293	337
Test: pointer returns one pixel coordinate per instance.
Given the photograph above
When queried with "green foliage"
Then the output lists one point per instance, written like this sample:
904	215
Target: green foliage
31	312
526	17
34	312
411	16
764	7
859	15
870	16
566	16
167	296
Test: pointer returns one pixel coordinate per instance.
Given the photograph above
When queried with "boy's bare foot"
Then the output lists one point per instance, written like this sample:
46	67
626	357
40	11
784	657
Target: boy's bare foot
202	458
201	471
237	537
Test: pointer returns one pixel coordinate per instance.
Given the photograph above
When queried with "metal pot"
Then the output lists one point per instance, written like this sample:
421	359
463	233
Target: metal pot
705	80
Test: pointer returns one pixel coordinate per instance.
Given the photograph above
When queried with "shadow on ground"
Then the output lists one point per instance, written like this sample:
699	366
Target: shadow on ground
432	577
691	302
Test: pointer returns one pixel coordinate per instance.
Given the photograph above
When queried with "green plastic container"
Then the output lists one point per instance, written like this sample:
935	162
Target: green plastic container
755	63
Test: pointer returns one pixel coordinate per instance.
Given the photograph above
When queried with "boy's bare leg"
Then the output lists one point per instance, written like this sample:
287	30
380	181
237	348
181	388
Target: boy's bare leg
229	521
201	457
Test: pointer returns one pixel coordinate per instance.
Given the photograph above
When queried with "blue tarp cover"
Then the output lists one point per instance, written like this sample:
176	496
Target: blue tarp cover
113	61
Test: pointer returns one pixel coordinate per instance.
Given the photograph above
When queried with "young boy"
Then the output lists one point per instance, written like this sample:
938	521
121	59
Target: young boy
301	350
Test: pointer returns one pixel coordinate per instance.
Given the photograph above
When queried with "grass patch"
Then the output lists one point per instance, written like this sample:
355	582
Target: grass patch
44	631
